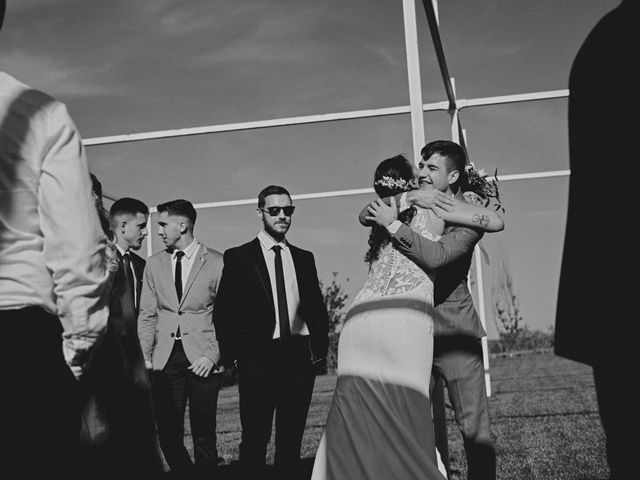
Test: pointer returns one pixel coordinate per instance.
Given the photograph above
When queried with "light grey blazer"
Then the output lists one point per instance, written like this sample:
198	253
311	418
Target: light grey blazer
161	314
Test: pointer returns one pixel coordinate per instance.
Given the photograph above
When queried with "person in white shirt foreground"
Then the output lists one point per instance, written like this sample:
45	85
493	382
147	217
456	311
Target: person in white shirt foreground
53	281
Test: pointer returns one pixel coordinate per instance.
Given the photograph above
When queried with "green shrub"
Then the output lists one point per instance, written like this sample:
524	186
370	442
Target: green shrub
523	339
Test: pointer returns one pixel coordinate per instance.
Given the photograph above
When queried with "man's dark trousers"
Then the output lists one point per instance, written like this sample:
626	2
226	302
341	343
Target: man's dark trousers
458	361
279	378
39	405
171	388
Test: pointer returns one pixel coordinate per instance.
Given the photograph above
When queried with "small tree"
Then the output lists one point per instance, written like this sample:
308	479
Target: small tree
509	322
335	301
505	302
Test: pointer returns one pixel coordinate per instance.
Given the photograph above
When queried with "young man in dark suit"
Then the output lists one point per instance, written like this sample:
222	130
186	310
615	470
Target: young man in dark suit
271	319
129	225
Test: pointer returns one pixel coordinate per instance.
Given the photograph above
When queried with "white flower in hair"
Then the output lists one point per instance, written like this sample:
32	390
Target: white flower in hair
393	183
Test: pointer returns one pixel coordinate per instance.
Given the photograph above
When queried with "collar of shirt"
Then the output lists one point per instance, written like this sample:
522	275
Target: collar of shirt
268	243
189	251
120	249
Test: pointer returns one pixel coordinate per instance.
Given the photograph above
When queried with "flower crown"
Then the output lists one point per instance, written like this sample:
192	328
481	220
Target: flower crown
479	183
393	184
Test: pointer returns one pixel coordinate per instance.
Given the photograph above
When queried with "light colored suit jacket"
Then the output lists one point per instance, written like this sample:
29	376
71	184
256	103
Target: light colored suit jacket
161	313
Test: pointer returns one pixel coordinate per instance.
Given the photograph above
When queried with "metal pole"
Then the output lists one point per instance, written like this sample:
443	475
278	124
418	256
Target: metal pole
413	71
459	135
431	9
483	318
455	131
149	236
323	118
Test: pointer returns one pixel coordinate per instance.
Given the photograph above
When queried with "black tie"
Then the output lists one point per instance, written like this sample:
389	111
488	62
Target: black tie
178	282
128	273
178	276
283	309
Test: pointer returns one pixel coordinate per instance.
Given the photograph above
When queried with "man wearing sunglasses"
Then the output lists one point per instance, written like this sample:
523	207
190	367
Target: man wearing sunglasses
271	321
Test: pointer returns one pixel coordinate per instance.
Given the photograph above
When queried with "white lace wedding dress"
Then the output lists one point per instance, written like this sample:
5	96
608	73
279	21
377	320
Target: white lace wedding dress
379	425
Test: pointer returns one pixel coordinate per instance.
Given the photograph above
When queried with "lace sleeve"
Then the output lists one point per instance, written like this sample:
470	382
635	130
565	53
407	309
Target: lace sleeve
395	274
427	224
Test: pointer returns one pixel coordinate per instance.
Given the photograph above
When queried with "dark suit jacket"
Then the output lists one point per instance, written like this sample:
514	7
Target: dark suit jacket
597	313
138	266
451	258
244	312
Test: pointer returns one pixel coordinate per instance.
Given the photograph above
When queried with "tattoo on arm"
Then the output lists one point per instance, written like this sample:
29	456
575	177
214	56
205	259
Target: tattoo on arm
483	219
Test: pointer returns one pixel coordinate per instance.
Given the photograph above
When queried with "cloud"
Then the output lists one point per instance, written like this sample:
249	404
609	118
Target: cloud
20	6
46	74
201	15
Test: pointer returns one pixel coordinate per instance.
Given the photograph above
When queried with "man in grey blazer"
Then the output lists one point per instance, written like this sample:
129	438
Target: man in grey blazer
457	327
178	338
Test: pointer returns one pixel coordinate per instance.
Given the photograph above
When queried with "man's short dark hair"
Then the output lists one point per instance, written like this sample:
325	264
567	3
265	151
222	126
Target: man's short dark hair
454	153
128	205
180	207
96	186
271	190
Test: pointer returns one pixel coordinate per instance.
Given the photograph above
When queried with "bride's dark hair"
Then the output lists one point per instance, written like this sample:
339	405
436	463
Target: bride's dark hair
394	175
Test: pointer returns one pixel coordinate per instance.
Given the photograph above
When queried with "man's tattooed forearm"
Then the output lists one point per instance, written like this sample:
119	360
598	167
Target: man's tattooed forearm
483	219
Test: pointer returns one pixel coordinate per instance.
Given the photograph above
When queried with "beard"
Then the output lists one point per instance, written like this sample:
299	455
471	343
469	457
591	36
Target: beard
277	234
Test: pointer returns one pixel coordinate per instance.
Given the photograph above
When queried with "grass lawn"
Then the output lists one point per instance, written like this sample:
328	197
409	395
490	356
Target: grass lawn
543	412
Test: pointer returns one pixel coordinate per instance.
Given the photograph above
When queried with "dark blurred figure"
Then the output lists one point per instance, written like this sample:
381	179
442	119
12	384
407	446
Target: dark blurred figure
118	435
52	282
597	318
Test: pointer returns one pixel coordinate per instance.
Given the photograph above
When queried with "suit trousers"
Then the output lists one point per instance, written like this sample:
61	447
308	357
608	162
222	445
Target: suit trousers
280	379
172	386
458	361
39	404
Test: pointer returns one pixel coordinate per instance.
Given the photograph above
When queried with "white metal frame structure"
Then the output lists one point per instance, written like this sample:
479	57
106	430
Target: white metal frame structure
416	109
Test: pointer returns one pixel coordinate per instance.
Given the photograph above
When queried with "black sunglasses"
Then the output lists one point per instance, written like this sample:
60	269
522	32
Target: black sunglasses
275	211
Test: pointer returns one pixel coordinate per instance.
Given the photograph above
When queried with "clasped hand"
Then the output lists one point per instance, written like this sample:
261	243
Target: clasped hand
202	366
381	213
435	200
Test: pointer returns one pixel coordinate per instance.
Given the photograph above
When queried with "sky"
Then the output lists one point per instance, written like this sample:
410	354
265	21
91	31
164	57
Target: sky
129	66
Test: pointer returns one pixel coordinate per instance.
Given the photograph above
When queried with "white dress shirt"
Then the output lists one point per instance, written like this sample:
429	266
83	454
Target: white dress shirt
133	273
52	249
190	254
296	324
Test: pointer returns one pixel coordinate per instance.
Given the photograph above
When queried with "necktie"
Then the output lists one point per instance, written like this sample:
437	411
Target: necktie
283	309
128	273
178	282
178	275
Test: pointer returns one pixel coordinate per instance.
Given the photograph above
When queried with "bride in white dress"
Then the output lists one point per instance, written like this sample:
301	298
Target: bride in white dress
379	425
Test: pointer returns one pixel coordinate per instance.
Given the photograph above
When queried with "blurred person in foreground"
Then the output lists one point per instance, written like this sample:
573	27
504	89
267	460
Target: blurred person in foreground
597	316
53	282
